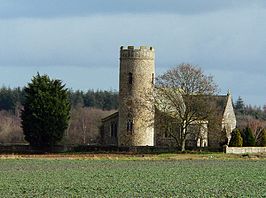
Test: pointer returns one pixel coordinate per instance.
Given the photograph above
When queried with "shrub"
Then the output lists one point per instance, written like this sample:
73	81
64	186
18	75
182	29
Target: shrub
262	138
248	137
46	111
223	137
236	139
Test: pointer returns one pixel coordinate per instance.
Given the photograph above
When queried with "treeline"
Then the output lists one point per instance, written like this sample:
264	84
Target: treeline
87	110
89	107
11	99
249	116
251	125
83	126
104	100
242	109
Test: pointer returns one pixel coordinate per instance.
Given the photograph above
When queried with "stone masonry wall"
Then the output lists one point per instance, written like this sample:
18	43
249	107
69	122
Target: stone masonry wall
242	150
136	116
107	137
229	118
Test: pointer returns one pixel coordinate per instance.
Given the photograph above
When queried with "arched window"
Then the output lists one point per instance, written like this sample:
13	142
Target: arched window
129	126
130	78
130	122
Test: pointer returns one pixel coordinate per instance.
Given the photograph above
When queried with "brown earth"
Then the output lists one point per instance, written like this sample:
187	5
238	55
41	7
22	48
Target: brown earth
132	156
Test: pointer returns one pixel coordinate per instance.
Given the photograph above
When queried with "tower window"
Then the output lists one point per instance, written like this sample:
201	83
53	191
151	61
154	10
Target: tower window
152	78
129	126
130	78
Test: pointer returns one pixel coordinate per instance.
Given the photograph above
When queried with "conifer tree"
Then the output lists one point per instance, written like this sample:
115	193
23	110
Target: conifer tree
248	137
239	105
223	137
236	139
262	140
46	111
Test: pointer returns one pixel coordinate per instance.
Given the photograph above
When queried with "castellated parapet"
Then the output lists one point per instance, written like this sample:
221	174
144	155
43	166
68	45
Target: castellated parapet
139	53
136	113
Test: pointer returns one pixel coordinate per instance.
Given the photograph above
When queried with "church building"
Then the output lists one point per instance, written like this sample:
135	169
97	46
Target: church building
127	126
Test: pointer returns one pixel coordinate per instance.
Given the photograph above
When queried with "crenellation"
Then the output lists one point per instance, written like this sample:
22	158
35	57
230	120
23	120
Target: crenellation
143	52
144	47
137	48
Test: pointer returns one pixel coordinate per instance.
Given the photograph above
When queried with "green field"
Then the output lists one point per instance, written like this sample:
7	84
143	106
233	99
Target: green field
132	178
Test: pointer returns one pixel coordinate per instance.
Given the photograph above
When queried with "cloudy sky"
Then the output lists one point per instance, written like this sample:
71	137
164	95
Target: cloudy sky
78	41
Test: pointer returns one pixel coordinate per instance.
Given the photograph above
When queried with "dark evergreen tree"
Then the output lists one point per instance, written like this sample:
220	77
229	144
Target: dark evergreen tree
248	137
46	111
239	105
89	99
236	139
223	137
10	98
99	99
262	138
7	100
77	98
105	100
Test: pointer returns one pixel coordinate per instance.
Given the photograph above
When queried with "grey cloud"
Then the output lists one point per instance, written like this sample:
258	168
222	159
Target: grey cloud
70	8
242	83
227	39
224	42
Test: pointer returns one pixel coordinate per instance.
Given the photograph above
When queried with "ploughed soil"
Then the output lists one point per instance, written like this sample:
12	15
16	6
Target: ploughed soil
134	156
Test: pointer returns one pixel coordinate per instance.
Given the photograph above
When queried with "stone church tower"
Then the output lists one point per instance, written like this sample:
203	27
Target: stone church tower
136	113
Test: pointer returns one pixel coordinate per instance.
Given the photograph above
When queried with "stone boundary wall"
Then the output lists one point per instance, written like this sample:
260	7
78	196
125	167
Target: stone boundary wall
242	150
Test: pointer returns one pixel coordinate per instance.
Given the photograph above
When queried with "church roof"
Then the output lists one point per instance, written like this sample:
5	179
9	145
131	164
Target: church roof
113	115
219	101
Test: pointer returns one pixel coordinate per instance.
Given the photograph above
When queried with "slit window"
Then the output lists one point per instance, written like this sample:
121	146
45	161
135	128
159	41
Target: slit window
152	78
130	78
129	126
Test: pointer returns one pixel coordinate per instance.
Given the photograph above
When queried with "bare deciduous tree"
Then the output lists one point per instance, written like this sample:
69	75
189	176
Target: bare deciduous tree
181	95
84	125
10	130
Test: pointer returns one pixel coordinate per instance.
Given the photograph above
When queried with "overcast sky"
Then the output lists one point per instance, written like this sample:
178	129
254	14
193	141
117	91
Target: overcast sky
78	41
